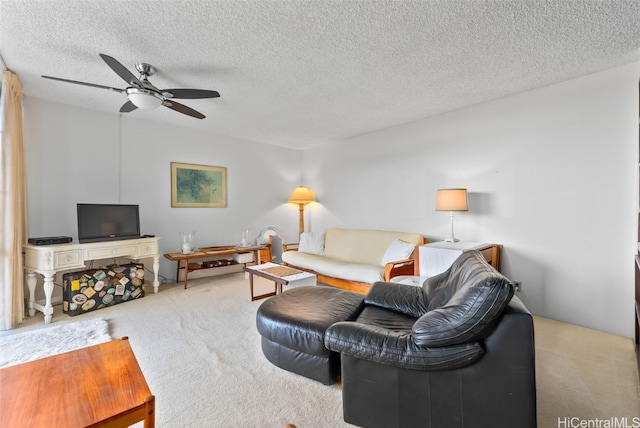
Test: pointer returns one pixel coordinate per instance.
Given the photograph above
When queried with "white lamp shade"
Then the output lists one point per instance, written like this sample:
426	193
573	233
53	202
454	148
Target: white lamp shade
451	200
302	195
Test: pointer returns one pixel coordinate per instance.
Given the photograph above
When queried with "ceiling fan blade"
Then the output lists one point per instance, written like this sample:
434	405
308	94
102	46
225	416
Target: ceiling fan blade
181	108
93	85
122	71
189	93
127	107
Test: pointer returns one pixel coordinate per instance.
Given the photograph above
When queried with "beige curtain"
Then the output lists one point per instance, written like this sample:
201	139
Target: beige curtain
13	202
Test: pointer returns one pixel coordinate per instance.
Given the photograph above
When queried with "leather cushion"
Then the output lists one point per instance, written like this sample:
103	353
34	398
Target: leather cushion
394	346
464	302
298	318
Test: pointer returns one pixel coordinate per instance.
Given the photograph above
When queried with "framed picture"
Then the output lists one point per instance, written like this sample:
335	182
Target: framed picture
198	186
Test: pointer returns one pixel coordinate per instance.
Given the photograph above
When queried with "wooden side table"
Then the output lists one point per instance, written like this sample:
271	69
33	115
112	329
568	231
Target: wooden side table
209	252
97	386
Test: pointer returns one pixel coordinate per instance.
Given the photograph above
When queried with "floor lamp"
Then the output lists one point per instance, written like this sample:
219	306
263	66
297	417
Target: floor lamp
302	196
452	200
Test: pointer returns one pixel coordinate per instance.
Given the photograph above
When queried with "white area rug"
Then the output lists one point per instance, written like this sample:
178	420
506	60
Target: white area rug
51	340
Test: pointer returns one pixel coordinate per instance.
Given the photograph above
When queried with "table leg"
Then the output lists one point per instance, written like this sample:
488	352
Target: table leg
156	268
150	412
251	285
31	285
48	291
262	296
186	273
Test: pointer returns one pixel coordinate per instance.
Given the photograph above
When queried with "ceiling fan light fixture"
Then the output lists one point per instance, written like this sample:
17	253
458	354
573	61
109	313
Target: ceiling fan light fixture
144	98
142	94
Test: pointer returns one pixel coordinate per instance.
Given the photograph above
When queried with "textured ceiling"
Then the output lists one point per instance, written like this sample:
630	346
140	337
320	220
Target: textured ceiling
303	73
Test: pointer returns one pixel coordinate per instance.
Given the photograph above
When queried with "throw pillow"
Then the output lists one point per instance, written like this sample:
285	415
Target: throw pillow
397	250
312	243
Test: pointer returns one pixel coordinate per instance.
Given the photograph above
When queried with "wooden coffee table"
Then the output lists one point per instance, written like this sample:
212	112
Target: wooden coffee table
280	275
97	386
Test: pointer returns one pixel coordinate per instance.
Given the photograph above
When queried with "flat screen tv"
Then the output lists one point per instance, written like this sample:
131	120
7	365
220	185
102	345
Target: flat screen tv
107	222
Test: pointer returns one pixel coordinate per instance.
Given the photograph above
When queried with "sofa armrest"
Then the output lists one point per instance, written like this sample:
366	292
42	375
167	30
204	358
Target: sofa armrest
396	348
406	299
400	267
293	246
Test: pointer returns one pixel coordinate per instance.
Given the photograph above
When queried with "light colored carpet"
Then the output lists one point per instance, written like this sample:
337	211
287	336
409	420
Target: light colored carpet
585	374
21	347
200	353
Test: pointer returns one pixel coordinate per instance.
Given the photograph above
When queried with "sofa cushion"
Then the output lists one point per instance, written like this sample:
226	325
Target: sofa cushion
463	303
361	246
334	268
312	243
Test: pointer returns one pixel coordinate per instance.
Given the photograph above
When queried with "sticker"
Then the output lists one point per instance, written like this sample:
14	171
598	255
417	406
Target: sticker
124	281
99	285
136	281
73	306
140	273
75	285
111	273
79	298
119	289
111	290
108	299
132	273
102	293
89	304
91	282
127	295
100	275
136	292
89	292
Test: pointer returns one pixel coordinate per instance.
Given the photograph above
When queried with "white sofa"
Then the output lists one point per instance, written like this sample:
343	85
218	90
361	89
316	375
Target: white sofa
353	258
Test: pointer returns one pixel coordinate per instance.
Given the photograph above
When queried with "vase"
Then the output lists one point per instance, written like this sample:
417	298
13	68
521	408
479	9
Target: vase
245	238
187	242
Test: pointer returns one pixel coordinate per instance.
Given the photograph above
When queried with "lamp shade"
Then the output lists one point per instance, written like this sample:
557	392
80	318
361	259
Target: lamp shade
451	200
144	99
302	195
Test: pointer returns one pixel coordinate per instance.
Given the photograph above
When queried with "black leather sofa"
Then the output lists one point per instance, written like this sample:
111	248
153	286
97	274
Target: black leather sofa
458	352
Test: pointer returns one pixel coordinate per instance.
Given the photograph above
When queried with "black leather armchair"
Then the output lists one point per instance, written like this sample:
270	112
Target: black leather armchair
458	352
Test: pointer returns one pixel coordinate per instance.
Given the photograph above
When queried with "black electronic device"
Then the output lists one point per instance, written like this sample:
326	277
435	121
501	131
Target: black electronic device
50	240
108	222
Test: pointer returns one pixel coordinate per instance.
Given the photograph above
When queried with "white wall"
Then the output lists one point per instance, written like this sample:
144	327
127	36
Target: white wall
75	155
551	175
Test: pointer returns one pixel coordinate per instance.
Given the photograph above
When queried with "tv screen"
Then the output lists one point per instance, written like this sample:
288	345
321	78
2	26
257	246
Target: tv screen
107	222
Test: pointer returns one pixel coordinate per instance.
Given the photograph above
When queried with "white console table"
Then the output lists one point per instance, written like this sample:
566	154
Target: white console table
47	260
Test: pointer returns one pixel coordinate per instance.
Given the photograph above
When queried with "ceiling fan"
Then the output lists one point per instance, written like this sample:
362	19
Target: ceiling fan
142	94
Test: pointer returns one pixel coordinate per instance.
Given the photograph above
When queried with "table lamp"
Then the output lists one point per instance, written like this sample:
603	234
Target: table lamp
452	200
302	196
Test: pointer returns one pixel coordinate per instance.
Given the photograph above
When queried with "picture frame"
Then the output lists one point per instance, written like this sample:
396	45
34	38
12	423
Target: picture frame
198	186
